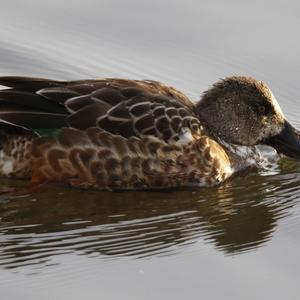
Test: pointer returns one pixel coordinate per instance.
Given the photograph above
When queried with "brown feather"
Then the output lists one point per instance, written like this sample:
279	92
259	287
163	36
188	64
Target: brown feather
29	100
98	159
58	94
120	106
28	83
33	120
87	116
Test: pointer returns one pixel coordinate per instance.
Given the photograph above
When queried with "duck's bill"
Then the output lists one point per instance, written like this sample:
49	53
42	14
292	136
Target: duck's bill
287	141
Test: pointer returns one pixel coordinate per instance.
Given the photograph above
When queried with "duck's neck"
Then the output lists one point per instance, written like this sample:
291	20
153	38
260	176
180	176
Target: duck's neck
241	157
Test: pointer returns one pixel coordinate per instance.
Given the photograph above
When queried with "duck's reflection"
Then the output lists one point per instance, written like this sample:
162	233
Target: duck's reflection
233	217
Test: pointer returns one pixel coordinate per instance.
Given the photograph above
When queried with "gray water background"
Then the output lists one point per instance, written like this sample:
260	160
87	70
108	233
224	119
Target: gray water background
238	241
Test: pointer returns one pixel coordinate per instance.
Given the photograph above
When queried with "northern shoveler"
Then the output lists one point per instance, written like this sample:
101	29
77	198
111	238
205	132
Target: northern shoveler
133	134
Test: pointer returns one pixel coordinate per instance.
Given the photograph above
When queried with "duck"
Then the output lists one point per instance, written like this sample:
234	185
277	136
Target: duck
121	134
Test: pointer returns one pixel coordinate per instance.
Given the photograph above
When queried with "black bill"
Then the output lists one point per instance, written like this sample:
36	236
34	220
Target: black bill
287	141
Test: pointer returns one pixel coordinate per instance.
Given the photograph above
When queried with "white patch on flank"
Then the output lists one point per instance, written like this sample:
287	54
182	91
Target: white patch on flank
185	136
6	164
7	167
228	170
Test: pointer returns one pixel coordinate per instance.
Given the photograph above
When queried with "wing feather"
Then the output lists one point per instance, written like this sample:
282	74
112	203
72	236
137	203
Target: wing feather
57	94
124	107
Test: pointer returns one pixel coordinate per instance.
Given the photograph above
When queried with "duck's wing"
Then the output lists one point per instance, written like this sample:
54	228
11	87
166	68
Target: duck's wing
119	106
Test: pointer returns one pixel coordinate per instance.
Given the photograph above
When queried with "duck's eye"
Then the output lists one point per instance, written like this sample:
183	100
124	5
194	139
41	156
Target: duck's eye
261	108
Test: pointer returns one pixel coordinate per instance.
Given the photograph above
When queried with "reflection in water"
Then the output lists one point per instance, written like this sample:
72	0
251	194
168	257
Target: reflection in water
234	217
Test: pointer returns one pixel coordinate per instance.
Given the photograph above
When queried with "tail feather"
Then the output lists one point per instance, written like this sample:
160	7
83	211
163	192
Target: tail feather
29	83
27	99
22	105
33	120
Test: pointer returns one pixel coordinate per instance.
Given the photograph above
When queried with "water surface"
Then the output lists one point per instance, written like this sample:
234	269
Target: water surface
236	241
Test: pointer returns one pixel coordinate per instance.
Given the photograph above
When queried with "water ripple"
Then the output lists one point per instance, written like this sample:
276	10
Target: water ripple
236	218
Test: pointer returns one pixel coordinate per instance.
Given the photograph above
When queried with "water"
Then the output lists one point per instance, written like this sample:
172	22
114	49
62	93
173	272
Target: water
237	241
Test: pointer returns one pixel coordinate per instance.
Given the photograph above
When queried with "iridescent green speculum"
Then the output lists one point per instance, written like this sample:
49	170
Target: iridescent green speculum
51	132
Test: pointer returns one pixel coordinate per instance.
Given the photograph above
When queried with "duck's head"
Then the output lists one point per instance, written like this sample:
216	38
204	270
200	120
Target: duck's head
243	111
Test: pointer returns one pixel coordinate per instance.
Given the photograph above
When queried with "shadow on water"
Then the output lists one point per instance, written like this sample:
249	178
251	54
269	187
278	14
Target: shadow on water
236	217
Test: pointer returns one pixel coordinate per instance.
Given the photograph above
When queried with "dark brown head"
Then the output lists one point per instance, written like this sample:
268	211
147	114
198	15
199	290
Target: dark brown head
243	111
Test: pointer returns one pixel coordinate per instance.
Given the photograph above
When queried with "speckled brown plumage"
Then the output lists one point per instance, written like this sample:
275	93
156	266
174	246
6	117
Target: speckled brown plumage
132	134
98	159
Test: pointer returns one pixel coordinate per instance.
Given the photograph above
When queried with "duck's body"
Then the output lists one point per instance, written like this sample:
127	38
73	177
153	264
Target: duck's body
112	134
